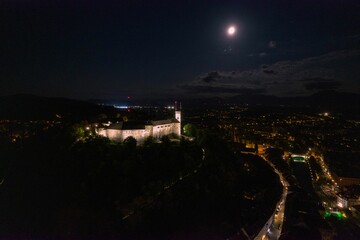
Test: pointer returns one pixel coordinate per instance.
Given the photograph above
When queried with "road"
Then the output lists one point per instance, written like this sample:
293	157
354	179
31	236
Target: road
347	227
304	206
272	228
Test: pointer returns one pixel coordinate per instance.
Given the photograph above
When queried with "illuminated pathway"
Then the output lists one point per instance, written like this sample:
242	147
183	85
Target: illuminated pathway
272	228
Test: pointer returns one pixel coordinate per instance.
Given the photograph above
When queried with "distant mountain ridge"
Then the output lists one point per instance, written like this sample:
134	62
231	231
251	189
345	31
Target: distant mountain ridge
32	107
25	106
324	99
330	100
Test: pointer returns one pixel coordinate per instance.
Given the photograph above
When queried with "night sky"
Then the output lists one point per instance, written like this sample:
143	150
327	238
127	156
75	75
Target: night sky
113	49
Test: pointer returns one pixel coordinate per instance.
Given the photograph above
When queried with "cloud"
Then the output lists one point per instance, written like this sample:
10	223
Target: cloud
262	54
272	44
321	84
269	71
210	77
222	89
336	70
317	79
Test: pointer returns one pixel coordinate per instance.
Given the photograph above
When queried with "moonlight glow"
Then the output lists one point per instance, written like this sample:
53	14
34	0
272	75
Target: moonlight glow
231	30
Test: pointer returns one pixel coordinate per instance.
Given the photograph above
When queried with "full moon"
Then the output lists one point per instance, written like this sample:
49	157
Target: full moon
231	30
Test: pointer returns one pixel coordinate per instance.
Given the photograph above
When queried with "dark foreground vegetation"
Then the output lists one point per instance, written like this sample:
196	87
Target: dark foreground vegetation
55	186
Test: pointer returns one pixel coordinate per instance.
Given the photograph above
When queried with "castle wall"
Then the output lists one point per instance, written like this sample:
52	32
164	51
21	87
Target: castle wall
114	134
101	132
177	129
162	130
139	134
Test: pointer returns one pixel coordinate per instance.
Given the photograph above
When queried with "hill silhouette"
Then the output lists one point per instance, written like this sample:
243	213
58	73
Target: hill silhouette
31	107
324	100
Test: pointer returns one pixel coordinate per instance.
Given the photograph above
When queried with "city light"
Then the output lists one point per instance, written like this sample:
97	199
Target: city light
121	106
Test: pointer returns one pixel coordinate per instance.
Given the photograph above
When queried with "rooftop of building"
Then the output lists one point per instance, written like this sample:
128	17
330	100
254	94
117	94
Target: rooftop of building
133	125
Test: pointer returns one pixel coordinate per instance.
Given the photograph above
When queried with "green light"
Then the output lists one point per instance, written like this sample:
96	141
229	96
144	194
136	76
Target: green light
298	159
338	215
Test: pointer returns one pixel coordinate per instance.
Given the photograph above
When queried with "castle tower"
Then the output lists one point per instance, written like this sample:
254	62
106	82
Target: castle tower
178	111
178	117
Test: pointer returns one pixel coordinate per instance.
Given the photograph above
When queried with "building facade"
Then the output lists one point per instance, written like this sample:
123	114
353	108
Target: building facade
142	130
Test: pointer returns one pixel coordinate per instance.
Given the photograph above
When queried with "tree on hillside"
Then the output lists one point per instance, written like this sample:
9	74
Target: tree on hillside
165	140
130	142
190	130
149	141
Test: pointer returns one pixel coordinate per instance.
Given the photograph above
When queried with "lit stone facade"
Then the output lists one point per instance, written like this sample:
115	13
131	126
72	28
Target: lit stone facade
140	131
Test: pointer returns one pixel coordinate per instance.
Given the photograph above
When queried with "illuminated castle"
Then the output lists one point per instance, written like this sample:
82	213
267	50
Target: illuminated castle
142	130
